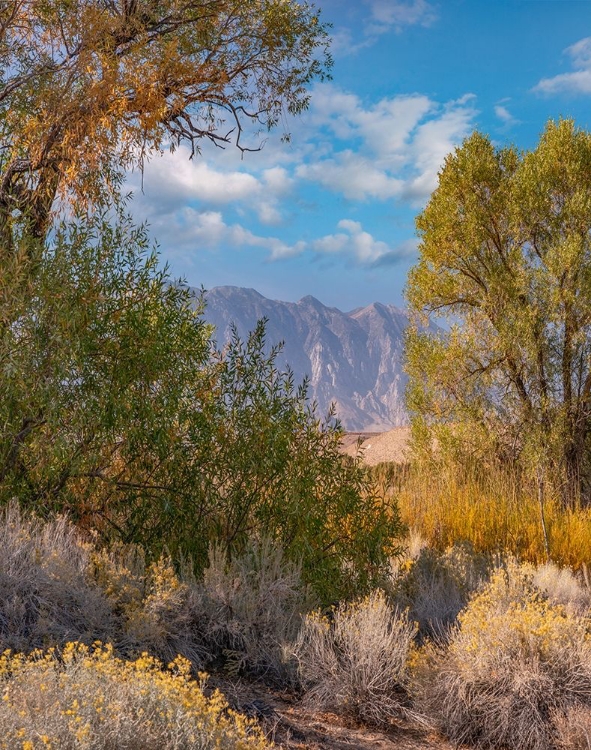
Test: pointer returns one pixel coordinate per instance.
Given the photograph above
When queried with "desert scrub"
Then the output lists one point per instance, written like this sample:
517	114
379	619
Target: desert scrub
168	619
515	661
355	661
573	729
87	698
47	592
435	586
252	607
243	612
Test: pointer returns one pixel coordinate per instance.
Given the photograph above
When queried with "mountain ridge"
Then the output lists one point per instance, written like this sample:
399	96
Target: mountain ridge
353	359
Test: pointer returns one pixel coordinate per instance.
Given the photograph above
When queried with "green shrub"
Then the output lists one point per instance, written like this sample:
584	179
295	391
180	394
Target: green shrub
115	410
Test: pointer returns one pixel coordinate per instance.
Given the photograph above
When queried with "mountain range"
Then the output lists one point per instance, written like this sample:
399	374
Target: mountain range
353	359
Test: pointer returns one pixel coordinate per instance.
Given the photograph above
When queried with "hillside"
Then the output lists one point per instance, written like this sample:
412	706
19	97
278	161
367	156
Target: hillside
353	359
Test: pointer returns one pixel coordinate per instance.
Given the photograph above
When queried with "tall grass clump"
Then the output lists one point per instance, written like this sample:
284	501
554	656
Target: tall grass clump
435	586
88	698
252	608
492	507
515	664
355	661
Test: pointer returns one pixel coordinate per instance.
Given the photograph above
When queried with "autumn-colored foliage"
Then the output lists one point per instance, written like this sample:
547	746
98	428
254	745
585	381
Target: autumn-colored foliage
90	88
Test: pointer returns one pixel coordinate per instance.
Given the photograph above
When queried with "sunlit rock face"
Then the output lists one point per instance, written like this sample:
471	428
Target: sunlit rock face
353	359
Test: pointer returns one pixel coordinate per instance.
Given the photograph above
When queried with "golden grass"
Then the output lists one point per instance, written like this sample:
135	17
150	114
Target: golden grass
493	512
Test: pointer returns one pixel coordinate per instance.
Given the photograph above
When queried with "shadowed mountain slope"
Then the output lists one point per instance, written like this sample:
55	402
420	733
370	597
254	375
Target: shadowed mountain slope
353	359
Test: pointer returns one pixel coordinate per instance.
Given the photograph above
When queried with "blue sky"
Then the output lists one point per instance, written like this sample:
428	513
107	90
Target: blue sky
332	213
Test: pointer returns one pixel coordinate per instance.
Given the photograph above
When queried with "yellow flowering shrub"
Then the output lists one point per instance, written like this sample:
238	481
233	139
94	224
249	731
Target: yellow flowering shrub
514	661
88	699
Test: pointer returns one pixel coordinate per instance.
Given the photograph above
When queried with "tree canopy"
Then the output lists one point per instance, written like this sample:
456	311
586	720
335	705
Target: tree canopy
115	407
89	88
505	260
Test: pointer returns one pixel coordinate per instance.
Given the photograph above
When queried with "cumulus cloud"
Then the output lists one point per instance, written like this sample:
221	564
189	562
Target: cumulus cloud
195	231
356	244
174	178
398	14
578	81
400	143
207	229
353	175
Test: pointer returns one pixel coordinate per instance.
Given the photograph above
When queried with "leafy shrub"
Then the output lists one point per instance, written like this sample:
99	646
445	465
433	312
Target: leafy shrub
116	410
356	660
88	698
513	662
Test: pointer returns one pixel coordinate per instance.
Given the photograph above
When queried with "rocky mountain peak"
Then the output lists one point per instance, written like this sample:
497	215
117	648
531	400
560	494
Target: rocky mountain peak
353	359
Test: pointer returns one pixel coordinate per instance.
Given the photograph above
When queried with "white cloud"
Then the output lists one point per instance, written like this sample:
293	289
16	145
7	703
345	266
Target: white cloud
503	114
195	231
397	14
355	243
576	82
173	178
207	229
400	143
353	175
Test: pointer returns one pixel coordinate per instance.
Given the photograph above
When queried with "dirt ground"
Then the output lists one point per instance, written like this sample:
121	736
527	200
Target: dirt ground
292	726
377	447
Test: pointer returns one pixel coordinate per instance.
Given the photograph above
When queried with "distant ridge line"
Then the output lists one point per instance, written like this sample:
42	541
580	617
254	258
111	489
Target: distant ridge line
354	359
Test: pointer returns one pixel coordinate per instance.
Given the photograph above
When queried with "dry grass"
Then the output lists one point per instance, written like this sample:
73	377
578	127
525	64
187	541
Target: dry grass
47	594
563	586
491	510
54	587
87	699
515	661
435	586
573	729
355	662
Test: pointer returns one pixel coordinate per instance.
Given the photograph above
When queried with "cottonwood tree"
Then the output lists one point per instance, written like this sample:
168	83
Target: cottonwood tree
89	88
505	259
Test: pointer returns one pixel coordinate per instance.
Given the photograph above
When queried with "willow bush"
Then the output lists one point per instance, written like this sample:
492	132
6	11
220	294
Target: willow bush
117	410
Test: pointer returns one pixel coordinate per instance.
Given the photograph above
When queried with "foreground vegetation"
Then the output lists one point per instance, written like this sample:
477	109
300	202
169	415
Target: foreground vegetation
168	508
87	698
490	652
